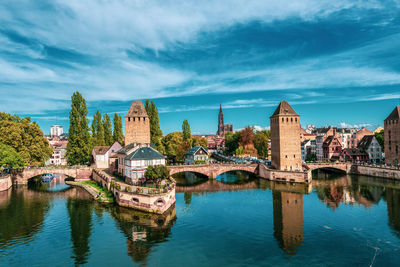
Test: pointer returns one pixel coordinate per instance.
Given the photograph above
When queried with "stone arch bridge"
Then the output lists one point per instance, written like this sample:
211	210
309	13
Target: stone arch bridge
77	172
213	170
335	166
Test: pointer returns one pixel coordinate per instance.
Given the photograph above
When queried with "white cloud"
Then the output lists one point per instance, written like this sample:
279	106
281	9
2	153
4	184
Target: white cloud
359	126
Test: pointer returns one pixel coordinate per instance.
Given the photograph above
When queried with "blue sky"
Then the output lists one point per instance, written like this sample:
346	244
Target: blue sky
336	62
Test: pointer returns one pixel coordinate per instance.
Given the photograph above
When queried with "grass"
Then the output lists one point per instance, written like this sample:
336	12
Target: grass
104	192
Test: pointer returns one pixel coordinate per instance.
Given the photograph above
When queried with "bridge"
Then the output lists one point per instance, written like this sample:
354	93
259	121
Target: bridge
77	172
213	170
341	166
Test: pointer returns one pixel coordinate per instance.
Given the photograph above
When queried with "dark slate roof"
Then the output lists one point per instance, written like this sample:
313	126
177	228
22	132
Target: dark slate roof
101	150
144	153
355	152
136	110
365	142
395	115
194	149
125	150
284	109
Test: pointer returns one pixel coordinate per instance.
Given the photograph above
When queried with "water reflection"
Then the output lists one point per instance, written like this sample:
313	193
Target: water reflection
57	184
143	230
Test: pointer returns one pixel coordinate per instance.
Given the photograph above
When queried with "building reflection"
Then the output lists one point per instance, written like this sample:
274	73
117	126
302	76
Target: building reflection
288	216
393	207
143	230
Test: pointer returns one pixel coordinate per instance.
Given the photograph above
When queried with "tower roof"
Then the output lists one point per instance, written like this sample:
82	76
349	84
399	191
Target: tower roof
136	110
284	109
395	115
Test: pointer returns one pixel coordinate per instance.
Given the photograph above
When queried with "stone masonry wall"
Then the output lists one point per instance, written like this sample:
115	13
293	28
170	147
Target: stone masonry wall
377	172
137	130
5	183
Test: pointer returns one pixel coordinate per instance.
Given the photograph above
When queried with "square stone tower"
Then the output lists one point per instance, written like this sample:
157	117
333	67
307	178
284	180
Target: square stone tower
285	139
137	124
392	137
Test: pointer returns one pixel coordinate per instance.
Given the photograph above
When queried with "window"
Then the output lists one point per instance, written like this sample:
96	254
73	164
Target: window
129	119
135	200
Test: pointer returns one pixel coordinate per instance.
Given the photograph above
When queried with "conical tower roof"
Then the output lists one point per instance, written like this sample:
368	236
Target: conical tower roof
395	115
136	110
284	109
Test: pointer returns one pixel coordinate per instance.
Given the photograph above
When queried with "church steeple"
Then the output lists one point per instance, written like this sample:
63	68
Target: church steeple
220	131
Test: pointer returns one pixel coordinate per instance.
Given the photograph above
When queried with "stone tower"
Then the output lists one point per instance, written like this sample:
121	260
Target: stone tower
392	137
221	130
285	139
137	124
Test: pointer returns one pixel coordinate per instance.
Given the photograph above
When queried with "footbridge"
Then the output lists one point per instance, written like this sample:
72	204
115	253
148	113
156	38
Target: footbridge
77	172
341	166
213	170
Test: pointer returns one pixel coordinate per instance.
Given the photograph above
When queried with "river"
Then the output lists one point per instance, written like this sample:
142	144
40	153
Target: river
237	220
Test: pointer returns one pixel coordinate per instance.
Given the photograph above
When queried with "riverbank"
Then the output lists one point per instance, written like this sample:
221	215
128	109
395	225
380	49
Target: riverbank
94	190
5	182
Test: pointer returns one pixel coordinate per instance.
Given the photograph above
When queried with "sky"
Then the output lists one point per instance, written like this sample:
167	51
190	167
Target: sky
336	62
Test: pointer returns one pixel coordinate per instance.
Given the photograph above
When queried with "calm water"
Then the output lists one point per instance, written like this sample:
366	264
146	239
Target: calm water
237	220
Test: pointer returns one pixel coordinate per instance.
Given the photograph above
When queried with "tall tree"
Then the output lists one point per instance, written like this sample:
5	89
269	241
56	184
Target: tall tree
199	141
155	130
171	142
108	135
380	137
97	130
231	142
117	131
25	137
186	133
79	141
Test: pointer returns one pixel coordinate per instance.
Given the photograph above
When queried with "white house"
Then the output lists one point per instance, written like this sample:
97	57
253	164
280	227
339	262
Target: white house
101	154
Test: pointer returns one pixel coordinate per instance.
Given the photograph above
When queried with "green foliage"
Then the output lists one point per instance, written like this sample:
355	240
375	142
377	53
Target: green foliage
231	142
108	136
117	132
198	141
186	133
25	137
171	143
157	173
239	151
97	130
10	158
261	139
311	157
380	137
79	141
155	130
182	149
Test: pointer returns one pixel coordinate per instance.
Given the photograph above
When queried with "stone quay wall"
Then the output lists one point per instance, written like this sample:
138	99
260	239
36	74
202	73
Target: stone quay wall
284	176
5	183
387	173
137	197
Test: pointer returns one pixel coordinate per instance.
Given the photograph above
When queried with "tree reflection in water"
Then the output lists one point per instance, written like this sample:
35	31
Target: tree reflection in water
143	230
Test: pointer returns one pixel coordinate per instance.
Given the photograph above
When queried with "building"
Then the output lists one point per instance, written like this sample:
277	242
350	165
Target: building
371	146
357	136
58	156
223	128
196	154
56	130
304	135
308	148
310	128
354	155
321	135
101	155
137	124
285	139
215	143
392	137
132	161
332	148
346	135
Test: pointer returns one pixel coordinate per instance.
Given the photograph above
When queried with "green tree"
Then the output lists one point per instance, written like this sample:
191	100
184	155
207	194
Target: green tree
155	130
311	157
171	142
199	141
25	137
231	142
10	158
186	133
182	149
239	151
261	139
117	131
79	141
108	135
157	173
380	137
97	130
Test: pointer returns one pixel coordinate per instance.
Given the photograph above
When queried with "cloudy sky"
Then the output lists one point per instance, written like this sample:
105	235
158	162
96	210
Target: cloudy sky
336	62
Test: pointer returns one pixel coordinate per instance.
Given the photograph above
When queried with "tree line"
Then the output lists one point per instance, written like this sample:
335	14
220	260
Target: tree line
247	142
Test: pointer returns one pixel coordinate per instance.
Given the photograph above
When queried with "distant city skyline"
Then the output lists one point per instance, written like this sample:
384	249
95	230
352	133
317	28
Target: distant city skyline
336	63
